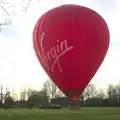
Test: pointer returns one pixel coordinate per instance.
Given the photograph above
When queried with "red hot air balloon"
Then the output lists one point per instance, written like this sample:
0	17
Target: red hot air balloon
71	42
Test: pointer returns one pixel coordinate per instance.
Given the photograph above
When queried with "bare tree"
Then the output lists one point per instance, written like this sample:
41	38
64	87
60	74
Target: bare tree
118	93
112	95
110	91
1	94
29	92
101	94
14	95
90	91
24	8
8	100
8	92
8	20
59	93
51	88
23	95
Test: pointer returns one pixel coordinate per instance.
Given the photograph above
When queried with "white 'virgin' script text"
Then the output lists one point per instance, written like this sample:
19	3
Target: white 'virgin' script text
56	52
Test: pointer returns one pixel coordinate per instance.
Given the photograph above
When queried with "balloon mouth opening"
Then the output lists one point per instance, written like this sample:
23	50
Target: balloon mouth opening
74	98
73	95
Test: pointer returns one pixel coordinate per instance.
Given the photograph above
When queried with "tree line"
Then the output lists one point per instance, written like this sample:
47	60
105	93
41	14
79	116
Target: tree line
50	94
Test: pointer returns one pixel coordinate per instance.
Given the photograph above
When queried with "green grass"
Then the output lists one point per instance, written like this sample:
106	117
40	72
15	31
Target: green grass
63	114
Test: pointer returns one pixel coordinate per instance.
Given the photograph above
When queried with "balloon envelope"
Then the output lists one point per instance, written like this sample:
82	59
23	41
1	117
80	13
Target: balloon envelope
70	42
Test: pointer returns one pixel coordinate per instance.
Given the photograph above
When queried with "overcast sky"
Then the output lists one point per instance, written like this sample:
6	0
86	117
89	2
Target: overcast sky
19	67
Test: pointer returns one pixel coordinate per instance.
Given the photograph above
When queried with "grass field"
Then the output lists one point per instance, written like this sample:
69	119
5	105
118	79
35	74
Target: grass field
63	114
